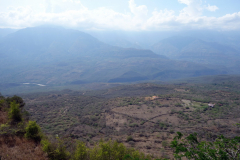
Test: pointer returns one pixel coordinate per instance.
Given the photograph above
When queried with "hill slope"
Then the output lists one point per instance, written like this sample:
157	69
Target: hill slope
13	143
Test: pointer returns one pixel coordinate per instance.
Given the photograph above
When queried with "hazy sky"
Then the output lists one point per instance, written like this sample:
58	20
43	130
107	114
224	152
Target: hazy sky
122	14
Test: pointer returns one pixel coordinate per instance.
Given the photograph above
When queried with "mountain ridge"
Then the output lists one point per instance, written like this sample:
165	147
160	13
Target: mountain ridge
197	50
58	56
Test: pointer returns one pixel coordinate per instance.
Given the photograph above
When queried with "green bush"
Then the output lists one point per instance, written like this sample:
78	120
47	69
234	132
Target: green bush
113	150
1	102
81	152
33	131
17	99
110	150
130	138
191	148
55	151
4	128
15	113
178	105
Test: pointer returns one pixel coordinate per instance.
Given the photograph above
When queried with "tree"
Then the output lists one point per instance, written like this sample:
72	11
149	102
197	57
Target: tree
221	149
15	113
17	99
81	152
56	150
33	131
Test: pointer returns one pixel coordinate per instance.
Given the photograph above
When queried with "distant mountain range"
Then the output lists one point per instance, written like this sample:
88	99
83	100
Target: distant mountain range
196	50
5	31
58	56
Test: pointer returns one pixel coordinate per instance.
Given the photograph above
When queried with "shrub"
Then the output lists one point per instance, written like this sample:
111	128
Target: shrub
110	150
191	148
33	131
4	128
133	125
17	99
113	150
164	144
55	151
178	105
81	152
130	138
171	131
46	146
15	113
1	102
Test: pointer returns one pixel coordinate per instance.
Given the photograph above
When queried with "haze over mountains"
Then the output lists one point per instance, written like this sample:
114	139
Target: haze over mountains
200	46
52	55
196	50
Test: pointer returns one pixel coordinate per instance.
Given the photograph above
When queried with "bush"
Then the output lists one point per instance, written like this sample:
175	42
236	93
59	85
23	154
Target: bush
33	131
15	113
4	128
113	150
17	99
171	131
165	144
110	150
55	151
191	148
178	105
133	125
81	151
130	138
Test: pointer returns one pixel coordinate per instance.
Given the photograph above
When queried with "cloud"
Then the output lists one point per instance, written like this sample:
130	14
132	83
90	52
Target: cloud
54	6
187	2
193	9
71	13
18	16
48	6
212	8
162	19
138	10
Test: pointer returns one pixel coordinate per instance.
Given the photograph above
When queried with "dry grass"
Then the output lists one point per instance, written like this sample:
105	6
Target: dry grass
17	148
3	117
14	147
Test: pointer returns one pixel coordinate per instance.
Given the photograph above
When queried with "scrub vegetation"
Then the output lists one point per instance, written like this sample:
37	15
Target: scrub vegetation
138	121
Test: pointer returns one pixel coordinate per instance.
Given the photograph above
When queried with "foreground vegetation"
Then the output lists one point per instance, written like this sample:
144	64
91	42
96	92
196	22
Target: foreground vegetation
191	148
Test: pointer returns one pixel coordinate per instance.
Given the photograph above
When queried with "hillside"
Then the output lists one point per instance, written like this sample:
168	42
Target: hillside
148	113
140	119
5	31
13	144
22	139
